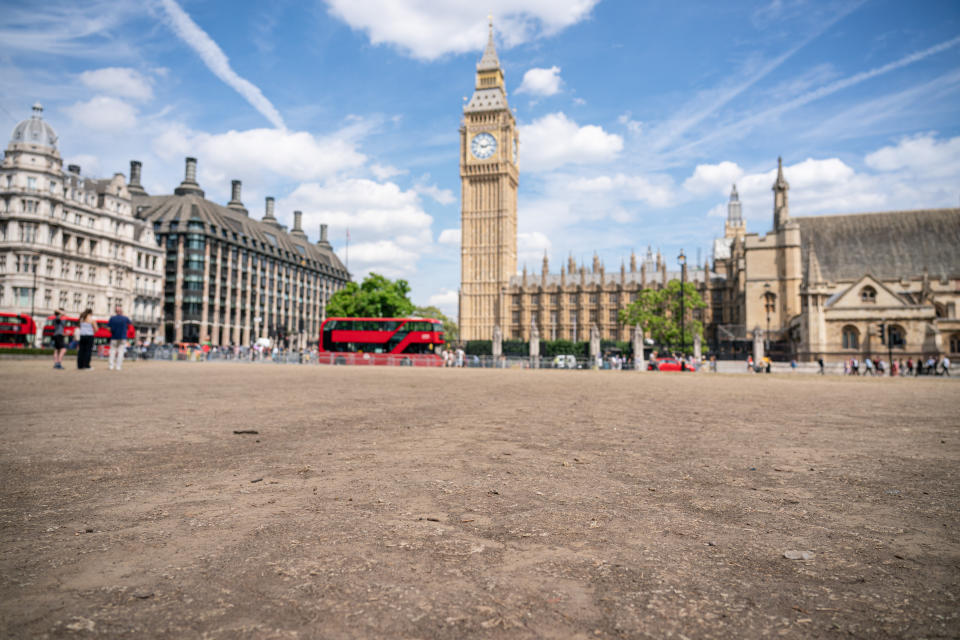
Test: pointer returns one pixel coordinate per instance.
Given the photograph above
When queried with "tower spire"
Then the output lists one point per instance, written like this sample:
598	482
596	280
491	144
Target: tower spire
490	60
781	206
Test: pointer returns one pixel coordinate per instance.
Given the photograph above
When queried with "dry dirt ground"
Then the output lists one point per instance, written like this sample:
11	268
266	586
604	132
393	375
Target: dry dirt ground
411	503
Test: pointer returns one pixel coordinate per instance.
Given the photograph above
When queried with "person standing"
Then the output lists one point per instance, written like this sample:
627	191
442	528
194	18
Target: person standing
820	362
119	325
85	331
59	347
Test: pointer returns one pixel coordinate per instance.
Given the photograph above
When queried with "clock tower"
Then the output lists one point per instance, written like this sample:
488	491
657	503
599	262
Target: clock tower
488	209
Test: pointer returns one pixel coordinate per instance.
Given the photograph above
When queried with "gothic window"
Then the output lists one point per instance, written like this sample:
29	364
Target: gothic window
868	294
553	317
593	315
573	298
955	343
851	337
897	336
516	317
553	298
613	315
573	317
614	298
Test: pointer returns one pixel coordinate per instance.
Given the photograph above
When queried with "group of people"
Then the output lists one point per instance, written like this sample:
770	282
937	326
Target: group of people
118	324
453	357
870	367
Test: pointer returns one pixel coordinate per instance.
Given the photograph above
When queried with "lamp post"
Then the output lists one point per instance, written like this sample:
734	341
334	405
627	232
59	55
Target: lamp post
682	259
768	307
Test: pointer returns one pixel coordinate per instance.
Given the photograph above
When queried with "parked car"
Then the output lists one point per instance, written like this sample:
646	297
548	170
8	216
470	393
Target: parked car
666	364
565	362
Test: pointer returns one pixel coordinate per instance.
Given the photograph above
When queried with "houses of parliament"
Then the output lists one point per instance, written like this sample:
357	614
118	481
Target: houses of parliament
824	286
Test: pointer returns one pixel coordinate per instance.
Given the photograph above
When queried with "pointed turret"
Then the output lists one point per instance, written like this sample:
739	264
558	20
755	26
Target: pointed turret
490	60
633	261
814	274
491	90
781	207
546	263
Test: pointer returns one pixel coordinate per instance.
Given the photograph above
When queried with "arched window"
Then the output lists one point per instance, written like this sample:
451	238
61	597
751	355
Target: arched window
955	343
897	336
851	337
868	294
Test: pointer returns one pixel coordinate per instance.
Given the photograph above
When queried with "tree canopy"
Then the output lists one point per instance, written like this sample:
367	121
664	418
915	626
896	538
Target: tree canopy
376	297
450	329
657	311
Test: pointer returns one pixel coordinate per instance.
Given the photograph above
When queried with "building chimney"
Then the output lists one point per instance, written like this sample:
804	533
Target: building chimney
235	203
189	185
74	169
323	236
297	219
268	211
134	186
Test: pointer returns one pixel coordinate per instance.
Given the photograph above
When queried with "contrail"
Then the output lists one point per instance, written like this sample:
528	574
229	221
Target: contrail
217	61
824	91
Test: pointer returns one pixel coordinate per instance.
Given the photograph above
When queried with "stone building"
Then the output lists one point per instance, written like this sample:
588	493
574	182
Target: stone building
69	241
821	286
564	306
230	279
488	181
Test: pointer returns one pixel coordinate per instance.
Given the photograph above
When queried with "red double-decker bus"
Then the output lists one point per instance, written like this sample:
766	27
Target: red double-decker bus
400	341
17	331
101	337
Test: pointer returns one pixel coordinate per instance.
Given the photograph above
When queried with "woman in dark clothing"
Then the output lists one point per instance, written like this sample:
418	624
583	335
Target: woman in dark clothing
85	331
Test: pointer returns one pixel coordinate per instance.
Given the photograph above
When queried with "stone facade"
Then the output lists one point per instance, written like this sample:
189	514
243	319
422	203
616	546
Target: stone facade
489	180
69	241
821	286
231	279
565	306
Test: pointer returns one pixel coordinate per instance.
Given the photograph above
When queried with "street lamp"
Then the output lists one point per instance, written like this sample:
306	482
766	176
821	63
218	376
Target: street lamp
768	306
682	259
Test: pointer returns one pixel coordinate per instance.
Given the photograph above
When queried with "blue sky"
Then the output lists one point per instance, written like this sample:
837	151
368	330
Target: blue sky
635	117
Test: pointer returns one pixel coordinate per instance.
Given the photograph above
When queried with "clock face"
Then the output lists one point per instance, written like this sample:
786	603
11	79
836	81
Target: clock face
483	145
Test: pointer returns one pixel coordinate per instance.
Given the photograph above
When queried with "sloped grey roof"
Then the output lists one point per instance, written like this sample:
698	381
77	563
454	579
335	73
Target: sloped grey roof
164	209
886	245
486	100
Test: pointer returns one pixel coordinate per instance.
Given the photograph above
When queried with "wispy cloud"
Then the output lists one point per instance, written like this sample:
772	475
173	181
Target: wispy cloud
669	132
217	61
740	127
66	29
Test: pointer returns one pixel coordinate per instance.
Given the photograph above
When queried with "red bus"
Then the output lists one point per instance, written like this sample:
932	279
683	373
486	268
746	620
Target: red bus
401	341
17	331
101	337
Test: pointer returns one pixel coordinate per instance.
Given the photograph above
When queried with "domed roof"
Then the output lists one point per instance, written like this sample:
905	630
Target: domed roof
35	130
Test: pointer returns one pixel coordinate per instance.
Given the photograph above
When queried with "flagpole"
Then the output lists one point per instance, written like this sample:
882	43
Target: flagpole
348	249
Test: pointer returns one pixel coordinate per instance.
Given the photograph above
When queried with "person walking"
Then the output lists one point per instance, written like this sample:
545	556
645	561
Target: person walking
119	324
86	330
59	348
820	362
945	363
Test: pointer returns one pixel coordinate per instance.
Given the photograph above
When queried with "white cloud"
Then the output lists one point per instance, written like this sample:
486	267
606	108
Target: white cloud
579	102
633	126
217	61
389	229
428	30
717	211
443	196
447	301
103	113
713	178
555	140
531	246
89	164
118	81
385	172
449	236
922	152
541	82
654	190
295	155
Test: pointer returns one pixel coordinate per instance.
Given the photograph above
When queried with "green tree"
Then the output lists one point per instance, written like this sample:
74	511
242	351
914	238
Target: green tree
375	297
450	329
658	314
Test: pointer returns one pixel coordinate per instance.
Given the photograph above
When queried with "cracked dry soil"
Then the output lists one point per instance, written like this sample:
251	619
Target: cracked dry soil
413	503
